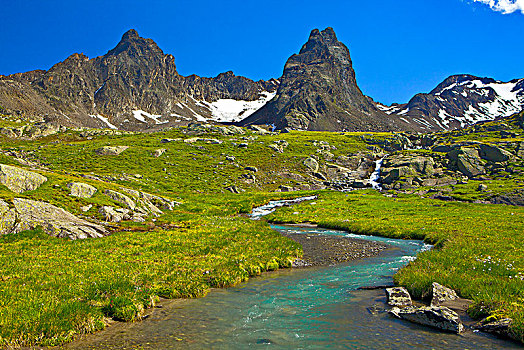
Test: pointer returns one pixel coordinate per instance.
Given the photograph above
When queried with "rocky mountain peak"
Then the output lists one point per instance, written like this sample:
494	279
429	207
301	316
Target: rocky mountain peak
319	39
130	34
318	91
133	44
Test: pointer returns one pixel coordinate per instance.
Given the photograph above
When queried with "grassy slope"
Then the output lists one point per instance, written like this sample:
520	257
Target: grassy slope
53	289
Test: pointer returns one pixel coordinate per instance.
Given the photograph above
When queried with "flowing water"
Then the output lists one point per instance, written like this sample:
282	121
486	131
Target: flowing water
314	308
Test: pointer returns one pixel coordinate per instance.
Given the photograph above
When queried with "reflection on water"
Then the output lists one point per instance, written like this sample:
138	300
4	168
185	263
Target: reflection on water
315	308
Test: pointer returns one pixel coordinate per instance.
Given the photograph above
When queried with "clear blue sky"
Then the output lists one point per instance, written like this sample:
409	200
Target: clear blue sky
398	47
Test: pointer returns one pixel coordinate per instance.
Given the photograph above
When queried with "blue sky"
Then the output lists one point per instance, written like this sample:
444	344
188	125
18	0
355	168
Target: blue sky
398	48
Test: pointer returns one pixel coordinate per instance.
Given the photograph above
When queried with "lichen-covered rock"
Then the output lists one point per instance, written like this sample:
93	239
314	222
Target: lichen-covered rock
311	164
200	139
259	130
20	180
276	148
114	214
500	328
494	153
439	317
121	198
157	201
54	221
441	294
468	161
42	129
398	296
158	152
82	190
7	218
111	150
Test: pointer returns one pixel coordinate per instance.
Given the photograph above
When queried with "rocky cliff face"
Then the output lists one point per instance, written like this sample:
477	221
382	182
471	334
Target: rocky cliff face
318	91
460	101
134	86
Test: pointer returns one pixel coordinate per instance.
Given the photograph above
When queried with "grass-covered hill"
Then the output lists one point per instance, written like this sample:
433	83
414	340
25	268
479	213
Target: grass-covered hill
161	215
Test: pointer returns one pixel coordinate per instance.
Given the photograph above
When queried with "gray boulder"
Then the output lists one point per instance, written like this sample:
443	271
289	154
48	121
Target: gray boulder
82	190
54	221
158	152
468	161
438	317
259	130
111	150
112	214
499	328
494	154
20	180
276	148
441	294
398	296
284	188
311	164
7	218
121	198
157	201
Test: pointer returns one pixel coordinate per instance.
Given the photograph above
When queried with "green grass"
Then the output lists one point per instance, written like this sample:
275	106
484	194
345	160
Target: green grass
478	252
54	289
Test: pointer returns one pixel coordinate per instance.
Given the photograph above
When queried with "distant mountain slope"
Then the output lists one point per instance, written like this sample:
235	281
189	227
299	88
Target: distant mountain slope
460	101
134	86
318	91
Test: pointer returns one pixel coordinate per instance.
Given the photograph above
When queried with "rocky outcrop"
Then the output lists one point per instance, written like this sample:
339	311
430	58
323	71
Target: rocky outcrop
54	221
500	328
311	164
111	150
121	198
82	190
20	180
158	152
441	294
112	214
494	153
438	317
318	91
7	218
398	296
467	161
396	166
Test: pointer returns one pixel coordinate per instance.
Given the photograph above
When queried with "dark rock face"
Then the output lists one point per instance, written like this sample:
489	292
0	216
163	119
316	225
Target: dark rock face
318	91
104	91
460	101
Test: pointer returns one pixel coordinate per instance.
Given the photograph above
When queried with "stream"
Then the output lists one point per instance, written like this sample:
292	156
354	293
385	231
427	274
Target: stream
311	308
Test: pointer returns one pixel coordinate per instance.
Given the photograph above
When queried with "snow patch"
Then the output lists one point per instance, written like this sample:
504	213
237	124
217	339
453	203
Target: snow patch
140	115
104	120
229	110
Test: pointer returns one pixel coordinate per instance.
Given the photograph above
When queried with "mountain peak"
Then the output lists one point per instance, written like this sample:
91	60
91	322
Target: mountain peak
329	34
320	40
318	91
130	34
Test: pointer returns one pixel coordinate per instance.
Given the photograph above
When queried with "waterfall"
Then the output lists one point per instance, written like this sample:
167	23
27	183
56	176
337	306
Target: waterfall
375	176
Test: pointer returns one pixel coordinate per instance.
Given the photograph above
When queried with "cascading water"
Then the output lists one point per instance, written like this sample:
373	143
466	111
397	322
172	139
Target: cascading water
375	176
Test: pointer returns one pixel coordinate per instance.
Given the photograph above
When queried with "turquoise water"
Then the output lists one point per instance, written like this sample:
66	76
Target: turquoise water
316	308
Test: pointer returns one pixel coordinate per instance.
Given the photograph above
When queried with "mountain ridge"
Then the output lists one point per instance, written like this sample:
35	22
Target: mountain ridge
136	86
